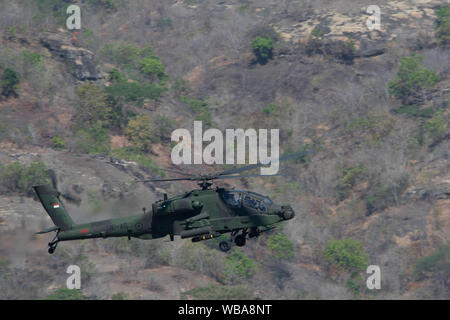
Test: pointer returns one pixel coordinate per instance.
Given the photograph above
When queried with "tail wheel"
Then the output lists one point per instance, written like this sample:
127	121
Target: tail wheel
225	245
240	240
53	244
52	247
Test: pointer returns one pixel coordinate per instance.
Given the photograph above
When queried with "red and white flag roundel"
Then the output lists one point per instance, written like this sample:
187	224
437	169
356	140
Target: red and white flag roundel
55	205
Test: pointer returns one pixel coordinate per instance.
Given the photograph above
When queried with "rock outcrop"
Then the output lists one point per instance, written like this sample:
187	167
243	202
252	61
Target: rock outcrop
81	62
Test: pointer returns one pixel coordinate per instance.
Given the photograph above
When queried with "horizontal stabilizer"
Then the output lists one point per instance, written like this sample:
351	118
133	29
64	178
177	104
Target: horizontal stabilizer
54	228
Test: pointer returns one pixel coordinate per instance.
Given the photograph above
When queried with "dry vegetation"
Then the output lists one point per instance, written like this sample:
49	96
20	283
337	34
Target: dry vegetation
373	104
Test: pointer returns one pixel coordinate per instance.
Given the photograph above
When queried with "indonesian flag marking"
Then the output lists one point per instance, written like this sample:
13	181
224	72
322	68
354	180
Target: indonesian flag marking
55	205
84	231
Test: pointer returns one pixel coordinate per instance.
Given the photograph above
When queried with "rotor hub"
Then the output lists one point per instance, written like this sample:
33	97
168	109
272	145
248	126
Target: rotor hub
205	184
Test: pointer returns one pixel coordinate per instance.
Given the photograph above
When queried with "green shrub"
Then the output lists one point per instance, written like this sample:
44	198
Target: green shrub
33	67
443	24
49	8
141	65
239	267
377	124
120	296
345	51
125	55
96	113
17	177
4	134
269	109
133	59
412	79
350	176
383	195
58	143
415	111
7	281
135	92
262	48
164	23
94	139
195	104
317	32
437	126
9	82
297	149
152	67
115	76
353	285
140	133
107	5
164	128
66	294
347	254
88	39
5	273
93	105
281	247
31	59
217	292
438	260
200	108
181	86
12	30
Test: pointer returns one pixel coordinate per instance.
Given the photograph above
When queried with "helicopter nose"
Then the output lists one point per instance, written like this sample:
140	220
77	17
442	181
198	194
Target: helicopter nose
287	212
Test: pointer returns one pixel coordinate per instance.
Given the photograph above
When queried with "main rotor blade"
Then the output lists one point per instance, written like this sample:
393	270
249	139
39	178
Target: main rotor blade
177	172
251	176
168	179
257	165
229	174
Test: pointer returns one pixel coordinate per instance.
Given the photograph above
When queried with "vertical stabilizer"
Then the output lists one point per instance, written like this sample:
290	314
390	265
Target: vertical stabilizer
49	198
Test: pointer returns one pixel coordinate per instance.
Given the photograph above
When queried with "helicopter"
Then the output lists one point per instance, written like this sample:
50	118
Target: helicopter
199	214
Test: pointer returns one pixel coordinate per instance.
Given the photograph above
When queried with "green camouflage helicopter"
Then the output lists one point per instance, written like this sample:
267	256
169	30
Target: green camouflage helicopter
200	214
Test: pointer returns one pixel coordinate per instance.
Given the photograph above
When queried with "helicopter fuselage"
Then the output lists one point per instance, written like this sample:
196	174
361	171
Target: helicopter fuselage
198	214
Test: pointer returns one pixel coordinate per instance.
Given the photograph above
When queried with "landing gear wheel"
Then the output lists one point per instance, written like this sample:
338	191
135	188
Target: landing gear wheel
52	245
224	246
240	240
254	232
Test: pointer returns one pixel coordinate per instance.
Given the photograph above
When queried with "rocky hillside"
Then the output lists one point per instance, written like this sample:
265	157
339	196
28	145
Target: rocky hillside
93	110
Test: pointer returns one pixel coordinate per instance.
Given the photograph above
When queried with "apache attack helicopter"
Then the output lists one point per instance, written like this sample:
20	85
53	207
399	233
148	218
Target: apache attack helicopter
200	214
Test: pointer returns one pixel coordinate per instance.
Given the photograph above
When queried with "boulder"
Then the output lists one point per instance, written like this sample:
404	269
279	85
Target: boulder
81	61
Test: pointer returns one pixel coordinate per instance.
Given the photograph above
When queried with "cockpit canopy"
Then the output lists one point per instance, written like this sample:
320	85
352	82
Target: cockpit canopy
232	198
238	198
